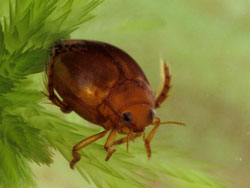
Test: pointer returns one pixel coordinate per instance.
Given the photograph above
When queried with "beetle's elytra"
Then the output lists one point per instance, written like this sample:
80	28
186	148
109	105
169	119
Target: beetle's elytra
105	86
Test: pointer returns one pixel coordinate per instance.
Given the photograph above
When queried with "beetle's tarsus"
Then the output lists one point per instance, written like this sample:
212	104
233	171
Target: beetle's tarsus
148	149
66	109
76	158
110	153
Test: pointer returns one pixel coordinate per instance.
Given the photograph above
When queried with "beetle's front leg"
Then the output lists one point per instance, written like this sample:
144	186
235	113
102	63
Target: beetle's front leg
109	143
150	137
156	124
82	144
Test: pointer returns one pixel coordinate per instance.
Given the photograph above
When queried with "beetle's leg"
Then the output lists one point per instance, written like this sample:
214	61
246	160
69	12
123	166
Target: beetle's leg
109	143
82	144
125	139
150	137
52	96
163	95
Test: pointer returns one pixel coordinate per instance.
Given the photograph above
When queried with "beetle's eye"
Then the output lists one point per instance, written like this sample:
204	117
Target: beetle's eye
127	117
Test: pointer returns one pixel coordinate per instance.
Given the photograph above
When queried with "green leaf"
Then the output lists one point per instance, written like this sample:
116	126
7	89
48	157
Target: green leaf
1	43
25	138
5	84
30	62
14	170
29	29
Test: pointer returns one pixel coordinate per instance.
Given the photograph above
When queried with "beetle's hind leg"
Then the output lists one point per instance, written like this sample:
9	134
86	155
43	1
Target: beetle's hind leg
50	87
163	94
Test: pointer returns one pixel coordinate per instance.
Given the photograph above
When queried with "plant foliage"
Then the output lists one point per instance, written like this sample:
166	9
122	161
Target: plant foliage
28	130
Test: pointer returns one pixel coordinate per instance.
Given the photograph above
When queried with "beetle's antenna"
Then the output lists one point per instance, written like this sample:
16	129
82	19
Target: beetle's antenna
169	122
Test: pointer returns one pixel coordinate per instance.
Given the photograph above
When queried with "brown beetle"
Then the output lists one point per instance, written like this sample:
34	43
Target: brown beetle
105	86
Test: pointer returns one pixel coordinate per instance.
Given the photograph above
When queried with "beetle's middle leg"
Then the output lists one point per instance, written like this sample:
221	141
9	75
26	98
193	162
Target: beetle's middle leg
127	139
50	87
109	143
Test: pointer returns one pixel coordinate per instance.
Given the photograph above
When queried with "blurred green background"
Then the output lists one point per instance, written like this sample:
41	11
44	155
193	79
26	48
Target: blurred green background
207	46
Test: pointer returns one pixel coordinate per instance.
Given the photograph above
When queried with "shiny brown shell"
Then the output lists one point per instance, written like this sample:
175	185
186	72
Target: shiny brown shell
96	80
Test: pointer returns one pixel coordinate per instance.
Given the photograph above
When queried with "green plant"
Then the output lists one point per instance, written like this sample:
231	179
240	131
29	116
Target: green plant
29	129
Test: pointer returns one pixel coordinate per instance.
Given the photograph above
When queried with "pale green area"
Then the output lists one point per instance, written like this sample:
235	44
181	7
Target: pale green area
207	45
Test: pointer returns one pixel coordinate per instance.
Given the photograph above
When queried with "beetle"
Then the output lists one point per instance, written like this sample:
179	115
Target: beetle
105	86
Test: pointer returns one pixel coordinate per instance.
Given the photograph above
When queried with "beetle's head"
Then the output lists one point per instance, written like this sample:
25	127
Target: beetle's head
137	117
